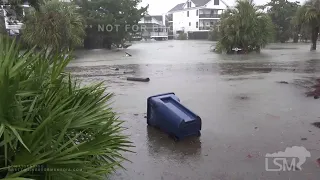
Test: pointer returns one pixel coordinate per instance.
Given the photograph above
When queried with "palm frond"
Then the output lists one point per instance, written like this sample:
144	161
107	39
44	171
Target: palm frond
48	120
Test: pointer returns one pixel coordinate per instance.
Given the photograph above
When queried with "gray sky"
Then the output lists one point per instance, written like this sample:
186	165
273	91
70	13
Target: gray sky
158	7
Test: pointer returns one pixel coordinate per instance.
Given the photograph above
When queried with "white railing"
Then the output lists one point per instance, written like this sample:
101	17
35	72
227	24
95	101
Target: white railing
158	34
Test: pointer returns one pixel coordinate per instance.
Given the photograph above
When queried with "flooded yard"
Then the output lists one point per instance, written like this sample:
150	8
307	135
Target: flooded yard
246	112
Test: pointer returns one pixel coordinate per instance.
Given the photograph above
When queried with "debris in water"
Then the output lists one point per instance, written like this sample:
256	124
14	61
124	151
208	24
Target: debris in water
316	124
249	156
316	90
127	54
145	117
256	128
115	69
318	161
138	79
283	82
310	131
125	46
304	139
136	114
244	97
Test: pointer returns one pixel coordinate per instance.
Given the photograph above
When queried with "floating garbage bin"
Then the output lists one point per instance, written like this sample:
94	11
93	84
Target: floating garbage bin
165	112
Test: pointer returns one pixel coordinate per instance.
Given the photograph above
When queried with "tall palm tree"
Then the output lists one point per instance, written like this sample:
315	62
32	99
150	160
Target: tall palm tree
309	15
56	25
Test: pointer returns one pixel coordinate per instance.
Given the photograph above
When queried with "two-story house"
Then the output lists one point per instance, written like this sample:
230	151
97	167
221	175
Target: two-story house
195	17
153	27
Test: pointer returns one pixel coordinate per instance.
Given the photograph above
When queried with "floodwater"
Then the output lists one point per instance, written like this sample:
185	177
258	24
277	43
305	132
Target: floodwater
245	112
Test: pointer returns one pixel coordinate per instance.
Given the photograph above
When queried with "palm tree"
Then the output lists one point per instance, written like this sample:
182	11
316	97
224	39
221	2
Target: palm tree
56	25
244	27
49	121
309	15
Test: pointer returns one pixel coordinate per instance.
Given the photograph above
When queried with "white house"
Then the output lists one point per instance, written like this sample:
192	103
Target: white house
13	26
195	17
153	27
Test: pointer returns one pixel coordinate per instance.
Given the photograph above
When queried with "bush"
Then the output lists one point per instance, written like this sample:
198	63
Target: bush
244	27
47	120
182	36
56	25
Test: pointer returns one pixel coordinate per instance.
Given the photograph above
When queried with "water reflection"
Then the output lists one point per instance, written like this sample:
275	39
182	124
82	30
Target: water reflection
160	144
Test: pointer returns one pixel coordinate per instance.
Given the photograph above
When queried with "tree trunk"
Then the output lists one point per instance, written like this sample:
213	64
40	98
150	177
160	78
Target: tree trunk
314	38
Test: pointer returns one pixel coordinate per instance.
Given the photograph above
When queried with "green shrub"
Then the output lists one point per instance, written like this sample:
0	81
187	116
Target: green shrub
48	120
56	25
182	36
244	27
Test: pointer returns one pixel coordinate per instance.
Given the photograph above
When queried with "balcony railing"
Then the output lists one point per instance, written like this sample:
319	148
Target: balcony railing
209	15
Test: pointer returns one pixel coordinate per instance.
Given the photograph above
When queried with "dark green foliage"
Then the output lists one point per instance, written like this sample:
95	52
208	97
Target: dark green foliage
101	14
48	120
244	27
282	13
56	25
309	16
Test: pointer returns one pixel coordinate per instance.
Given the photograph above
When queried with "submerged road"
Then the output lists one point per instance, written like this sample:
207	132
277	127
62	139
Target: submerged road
245	112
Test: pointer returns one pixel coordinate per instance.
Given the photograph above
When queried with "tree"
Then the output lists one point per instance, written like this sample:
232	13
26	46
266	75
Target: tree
109	21
282	12
301	29
309	15
244	27
57	25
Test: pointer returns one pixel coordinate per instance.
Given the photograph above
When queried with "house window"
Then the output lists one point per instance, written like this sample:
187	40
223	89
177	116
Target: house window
189	5
197	24
189	23
216	2
197	13
187	13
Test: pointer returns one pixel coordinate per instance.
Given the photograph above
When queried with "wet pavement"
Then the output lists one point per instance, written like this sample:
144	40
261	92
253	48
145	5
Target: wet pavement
246	113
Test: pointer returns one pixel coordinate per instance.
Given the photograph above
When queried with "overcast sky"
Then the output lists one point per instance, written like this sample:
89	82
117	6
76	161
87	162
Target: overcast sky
158	7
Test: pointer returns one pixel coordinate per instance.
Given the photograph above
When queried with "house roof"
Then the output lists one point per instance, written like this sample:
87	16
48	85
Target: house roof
158	17
200	2
178	7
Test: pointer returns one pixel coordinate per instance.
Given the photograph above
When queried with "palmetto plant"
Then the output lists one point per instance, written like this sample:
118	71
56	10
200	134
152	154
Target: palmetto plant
48	120
309	15
244	27
57	25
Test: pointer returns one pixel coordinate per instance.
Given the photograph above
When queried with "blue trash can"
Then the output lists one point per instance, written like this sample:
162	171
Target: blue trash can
165	112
